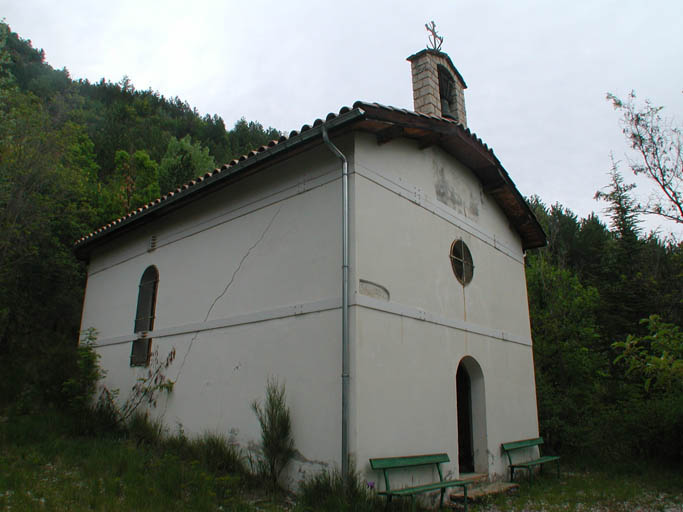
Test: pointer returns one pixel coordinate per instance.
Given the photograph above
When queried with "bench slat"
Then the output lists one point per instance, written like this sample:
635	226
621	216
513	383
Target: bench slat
413	460
536	462
418	489
526	443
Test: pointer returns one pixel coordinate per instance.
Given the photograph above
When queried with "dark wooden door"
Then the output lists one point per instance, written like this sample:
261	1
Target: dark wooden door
464	397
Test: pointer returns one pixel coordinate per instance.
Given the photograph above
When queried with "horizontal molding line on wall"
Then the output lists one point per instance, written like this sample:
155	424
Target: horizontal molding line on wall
417	196
317	307
306	183
244	319
395	308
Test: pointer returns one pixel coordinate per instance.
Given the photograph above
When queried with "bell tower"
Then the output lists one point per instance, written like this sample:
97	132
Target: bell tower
438	87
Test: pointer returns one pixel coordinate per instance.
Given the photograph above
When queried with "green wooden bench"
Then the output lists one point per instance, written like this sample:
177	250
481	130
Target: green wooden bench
509	448
398	463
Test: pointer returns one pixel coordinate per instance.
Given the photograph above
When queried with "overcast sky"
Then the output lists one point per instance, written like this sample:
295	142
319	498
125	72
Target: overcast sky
537	71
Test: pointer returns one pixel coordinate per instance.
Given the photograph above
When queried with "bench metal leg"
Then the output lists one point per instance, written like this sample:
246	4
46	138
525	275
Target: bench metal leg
412	503
464	495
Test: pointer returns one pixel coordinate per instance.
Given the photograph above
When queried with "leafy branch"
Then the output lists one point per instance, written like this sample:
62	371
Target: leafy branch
657	357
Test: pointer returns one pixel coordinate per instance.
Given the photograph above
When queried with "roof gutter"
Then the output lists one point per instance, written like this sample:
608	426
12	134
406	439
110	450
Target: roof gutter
345	305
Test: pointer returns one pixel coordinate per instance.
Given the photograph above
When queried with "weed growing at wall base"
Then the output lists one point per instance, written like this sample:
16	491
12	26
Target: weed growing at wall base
277	443
326	491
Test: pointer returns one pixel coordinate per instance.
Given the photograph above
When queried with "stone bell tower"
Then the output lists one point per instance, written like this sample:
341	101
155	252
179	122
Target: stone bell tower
438	87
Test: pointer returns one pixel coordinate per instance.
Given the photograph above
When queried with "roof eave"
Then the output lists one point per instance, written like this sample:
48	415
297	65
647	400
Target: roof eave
468	148
210	182
391	122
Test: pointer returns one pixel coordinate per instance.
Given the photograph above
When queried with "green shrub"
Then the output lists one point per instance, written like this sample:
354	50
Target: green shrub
326	491
79	389
655	358
644	428
88	415
277	443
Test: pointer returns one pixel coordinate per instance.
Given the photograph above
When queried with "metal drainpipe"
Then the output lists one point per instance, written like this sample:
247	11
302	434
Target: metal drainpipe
345	303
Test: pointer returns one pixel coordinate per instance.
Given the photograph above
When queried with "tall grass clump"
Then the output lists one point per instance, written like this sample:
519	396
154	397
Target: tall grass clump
215	456
145	430
215	452
277	442
326	491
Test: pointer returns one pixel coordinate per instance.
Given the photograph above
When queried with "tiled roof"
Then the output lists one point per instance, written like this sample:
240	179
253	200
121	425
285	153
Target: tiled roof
214	175
372	117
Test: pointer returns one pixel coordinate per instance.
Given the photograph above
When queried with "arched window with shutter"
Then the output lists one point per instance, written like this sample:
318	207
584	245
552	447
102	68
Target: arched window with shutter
144	317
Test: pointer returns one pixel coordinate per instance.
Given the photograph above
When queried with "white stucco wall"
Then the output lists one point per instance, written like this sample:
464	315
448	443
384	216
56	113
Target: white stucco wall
411	204
276	237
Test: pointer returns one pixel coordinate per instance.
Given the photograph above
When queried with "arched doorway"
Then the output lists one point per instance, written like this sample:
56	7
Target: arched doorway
463	386
471	411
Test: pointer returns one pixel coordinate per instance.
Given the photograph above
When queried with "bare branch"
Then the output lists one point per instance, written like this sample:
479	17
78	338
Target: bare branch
658	144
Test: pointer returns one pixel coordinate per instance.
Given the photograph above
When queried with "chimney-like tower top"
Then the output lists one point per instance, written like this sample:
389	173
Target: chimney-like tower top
438	87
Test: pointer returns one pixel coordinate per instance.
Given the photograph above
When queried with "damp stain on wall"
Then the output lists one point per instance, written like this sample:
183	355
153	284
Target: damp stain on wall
446	189
456	193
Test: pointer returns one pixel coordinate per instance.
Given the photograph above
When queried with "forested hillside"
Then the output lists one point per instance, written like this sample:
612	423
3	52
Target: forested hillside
605	300
75	155
606	312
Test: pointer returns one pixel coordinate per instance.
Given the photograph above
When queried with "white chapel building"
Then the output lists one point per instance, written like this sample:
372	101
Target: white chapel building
372	261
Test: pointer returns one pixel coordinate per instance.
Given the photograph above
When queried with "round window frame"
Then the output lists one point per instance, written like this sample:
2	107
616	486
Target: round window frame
462	264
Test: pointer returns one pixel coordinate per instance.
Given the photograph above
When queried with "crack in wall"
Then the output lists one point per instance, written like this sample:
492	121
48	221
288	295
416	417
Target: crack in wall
225	290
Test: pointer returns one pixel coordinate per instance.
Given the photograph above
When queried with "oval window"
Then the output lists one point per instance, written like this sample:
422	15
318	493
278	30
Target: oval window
461	261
